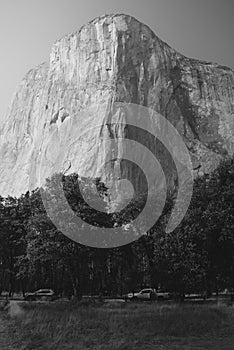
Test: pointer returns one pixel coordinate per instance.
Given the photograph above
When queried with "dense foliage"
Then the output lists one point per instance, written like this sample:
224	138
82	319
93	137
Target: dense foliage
197	256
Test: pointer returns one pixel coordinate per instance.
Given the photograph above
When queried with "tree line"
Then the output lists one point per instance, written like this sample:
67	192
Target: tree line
197	256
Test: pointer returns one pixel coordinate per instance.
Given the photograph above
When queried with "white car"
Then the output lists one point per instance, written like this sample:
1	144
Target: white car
41	294
163	295
144	294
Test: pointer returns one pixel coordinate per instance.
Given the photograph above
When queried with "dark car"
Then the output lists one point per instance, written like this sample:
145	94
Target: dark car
41	294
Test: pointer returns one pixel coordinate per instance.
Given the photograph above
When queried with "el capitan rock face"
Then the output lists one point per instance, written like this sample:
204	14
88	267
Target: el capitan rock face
114	58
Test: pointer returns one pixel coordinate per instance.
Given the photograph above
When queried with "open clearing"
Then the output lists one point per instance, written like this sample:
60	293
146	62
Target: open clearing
117	326
6	341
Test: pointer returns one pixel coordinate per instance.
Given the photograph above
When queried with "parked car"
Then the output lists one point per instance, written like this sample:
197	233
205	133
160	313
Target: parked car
144	294
163	295
41	294
148	294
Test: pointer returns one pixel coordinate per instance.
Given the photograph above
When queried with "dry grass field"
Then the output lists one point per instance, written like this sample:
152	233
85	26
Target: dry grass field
121	326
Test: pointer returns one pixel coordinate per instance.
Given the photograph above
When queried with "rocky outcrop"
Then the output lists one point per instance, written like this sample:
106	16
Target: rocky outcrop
114	58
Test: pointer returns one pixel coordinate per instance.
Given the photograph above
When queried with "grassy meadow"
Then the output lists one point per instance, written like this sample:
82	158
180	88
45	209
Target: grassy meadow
122	326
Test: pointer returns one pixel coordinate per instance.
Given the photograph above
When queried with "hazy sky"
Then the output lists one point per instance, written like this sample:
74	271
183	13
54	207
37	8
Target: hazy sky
201	29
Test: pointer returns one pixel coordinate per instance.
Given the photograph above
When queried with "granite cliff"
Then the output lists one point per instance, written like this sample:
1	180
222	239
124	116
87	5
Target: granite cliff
114	58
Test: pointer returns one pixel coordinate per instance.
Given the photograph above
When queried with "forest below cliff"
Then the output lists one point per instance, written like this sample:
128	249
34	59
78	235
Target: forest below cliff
197	256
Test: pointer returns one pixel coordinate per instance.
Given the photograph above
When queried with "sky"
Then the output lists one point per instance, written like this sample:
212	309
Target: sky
201	29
